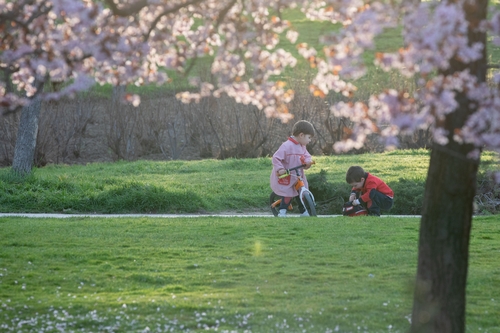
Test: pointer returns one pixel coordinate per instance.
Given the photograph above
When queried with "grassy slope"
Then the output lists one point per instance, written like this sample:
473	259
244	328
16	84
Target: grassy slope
374	82
259	274
203	186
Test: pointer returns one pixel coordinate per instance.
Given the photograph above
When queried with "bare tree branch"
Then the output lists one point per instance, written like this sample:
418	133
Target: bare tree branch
171	10
224	12
131	9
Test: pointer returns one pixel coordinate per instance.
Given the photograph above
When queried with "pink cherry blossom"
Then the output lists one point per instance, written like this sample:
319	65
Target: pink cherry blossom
83	41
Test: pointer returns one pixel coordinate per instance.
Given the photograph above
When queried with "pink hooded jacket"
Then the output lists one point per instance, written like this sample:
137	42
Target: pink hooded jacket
290	154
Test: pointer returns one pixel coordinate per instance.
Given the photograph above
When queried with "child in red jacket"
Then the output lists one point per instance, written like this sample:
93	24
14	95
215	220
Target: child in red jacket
369	191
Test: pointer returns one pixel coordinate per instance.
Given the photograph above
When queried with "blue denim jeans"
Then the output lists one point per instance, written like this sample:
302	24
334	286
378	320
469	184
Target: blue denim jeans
380	201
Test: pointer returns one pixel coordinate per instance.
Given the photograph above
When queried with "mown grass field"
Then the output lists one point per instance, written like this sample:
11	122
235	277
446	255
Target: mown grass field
226	274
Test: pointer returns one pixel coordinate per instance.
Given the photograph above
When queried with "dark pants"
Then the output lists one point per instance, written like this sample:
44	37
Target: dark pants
380	201
285	201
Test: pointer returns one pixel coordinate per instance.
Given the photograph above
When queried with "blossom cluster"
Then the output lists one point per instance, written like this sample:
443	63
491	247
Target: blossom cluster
435	35
79	42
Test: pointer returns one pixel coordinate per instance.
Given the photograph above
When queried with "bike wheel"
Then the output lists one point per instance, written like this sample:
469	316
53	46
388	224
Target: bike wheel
274	203
309	203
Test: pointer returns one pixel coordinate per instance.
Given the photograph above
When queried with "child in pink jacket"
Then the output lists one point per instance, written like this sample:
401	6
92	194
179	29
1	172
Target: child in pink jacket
290	154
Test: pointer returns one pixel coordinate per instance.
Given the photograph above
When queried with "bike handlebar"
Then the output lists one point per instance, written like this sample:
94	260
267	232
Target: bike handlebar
287	172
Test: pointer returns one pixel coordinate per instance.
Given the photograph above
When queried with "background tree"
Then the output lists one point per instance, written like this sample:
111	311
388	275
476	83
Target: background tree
78	42
444	52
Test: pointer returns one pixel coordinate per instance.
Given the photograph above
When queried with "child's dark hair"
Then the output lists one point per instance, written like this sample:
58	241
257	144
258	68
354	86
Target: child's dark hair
303	126
354	174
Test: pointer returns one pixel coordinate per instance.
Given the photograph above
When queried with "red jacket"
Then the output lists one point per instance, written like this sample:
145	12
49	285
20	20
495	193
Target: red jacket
373	183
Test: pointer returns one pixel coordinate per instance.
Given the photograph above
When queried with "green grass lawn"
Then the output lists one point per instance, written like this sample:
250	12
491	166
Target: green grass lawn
226	274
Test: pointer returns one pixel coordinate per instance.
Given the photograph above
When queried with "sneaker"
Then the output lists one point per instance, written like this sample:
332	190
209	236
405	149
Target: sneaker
305	214
282	213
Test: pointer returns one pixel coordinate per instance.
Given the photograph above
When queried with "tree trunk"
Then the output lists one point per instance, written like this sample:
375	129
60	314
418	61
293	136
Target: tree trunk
439	298
24	151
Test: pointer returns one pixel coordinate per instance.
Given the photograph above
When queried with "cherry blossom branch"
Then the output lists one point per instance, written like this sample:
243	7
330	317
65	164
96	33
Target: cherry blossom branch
168	11
129	10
